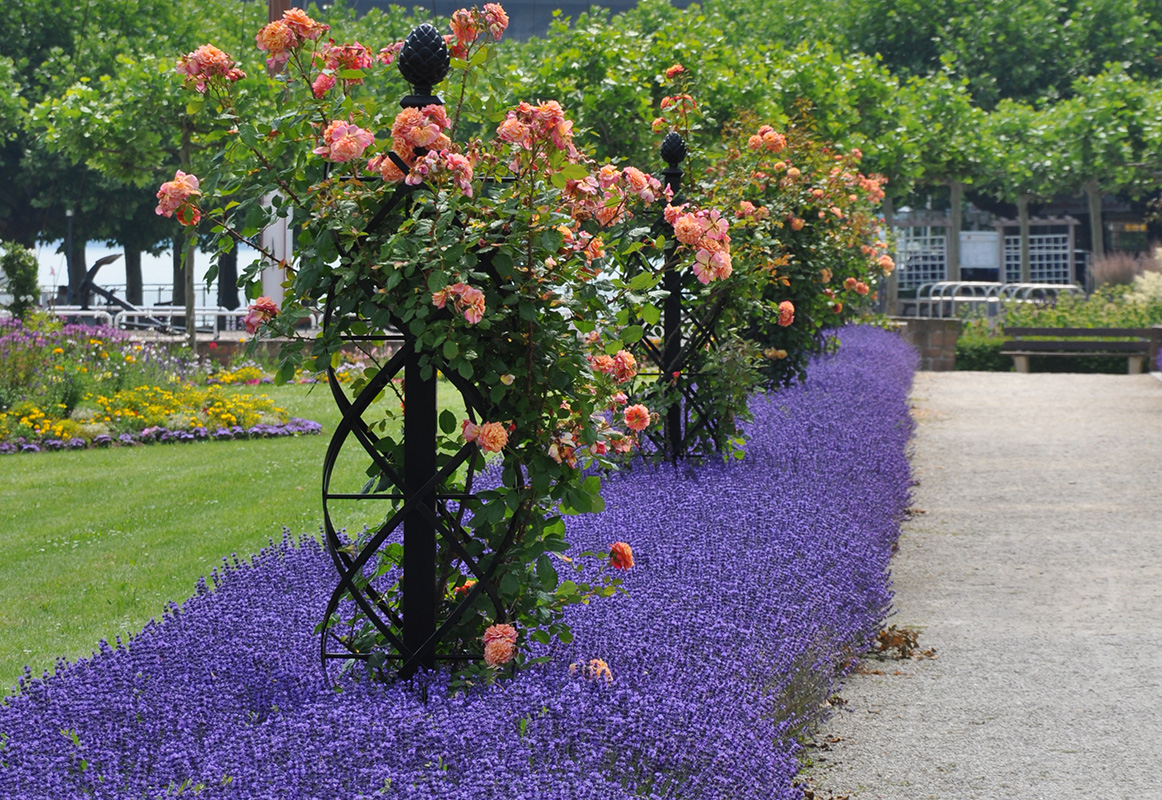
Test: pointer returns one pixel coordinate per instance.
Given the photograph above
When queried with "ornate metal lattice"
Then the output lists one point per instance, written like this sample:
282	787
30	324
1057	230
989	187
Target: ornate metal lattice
670	349
426	504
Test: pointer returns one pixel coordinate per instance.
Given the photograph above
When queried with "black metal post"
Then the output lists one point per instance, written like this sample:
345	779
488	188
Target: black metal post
423	62
673	152
419	534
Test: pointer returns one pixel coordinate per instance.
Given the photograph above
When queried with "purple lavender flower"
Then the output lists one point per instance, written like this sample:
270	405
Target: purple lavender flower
755	582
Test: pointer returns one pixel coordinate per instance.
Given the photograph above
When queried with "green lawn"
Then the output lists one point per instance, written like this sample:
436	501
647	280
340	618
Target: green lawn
94	543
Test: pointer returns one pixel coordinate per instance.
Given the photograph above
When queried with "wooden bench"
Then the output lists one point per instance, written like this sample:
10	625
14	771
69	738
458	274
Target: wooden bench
1134	344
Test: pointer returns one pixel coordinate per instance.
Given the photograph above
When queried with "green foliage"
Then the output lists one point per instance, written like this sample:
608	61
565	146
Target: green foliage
515	266
978	348
1138	306
18	278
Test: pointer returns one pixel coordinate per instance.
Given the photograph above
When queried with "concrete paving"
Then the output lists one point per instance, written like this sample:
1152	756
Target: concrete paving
1033	566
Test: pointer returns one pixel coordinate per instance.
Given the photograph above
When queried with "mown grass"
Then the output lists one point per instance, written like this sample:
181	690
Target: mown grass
97	542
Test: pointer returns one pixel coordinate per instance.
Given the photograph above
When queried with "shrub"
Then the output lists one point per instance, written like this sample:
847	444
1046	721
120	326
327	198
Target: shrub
1120	269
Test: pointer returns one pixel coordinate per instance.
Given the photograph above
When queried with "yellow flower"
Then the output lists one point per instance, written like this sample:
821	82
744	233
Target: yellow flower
56	351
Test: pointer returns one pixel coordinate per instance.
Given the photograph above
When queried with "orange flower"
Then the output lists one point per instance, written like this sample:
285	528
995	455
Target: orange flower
498	653
492	437
786	313
620	555
500	632
637	417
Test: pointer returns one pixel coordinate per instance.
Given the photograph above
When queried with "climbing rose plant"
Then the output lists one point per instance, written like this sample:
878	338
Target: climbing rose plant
505	259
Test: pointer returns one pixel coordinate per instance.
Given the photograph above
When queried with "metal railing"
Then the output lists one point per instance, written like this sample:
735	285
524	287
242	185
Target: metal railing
167	320
949	299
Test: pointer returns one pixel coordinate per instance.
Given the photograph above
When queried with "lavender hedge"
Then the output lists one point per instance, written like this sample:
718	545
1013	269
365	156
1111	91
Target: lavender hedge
756	582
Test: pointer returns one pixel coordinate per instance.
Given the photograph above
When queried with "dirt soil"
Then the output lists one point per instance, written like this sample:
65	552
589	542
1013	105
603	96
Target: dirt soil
1032	567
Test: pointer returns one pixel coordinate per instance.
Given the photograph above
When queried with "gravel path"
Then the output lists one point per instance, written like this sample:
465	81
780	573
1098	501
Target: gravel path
1035	571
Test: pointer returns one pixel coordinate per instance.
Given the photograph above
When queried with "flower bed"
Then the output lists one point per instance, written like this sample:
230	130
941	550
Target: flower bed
148	414
755	583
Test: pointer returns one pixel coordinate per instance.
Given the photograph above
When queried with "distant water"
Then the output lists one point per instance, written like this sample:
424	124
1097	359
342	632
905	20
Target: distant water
156	271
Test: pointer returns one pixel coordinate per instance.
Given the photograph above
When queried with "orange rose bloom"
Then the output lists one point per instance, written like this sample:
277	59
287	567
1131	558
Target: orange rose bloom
637	417
499	653
620	555
786	313
492	437
500	632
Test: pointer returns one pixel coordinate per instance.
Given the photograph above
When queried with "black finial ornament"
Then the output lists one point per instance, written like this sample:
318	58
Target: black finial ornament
673	153
423	62
673	149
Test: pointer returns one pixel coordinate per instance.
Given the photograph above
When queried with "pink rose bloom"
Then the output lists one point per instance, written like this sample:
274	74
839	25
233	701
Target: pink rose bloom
500	632
624	366
498	653
388	54
676	69
786	313
861	288
849	284
464	26
620	556
275	38
495	20
260	311
637	417
492	437
174	194
513	131
343	142
619	398
322	84
469	430
440	298
303	26
602	364
688	228
472	302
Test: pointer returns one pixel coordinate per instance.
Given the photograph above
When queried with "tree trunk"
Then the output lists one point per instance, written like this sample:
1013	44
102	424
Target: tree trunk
179	281
955	213
228	279
892	283
76	266
133	283
1096	229
1023	220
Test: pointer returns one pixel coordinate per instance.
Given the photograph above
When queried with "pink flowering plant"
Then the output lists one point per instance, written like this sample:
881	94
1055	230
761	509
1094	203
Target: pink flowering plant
515	265
805	229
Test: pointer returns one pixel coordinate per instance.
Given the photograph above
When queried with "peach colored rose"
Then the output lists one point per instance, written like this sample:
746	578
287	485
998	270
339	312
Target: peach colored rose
786	313
620	555
492	437
500	632
498	653
624	366
849	284
637	417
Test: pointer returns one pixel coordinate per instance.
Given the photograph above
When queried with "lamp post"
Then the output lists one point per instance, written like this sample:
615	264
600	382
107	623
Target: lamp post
69	256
